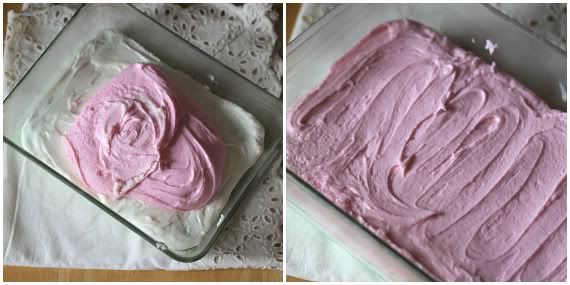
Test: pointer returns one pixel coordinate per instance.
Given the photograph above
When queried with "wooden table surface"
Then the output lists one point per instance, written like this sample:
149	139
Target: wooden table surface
292	12
19	273
34	274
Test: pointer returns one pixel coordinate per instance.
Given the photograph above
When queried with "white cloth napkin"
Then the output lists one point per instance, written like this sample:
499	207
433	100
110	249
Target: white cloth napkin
47	224
311	254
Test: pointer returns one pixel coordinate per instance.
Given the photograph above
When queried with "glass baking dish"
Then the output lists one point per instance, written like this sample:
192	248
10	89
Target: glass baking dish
535	62
86	23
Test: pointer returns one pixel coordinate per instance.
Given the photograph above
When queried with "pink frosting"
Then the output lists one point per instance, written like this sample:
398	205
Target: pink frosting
137	138
457	166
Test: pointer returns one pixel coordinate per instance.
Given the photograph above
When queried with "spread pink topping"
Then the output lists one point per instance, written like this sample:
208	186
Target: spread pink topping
137	138
460	168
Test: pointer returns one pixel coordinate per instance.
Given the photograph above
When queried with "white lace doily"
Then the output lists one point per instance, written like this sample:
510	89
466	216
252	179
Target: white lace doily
309	13
243	38
548	20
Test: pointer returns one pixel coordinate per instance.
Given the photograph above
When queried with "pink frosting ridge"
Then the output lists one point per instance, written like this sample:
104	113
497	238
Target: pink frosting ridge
137	138
457	166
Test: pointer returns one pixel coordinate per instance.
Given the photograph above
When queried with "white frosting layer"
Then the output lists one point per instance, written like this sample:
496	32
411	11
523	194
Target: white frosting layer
98	61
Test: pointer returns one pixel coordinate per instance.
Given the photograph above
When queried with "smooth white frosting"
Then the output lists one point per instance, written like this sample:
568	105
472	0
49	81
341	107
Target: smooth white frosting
97	62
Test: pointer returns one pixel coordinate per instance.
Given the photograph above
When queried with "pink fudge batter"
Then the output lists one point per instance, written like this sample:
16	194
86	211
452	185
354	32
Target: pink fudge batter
459	167
137	138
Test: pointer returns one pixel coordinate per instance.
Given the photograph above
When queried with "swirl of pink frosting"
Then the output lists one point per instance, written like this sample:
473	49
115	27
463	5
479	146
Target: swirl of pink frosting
456	165
137	138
